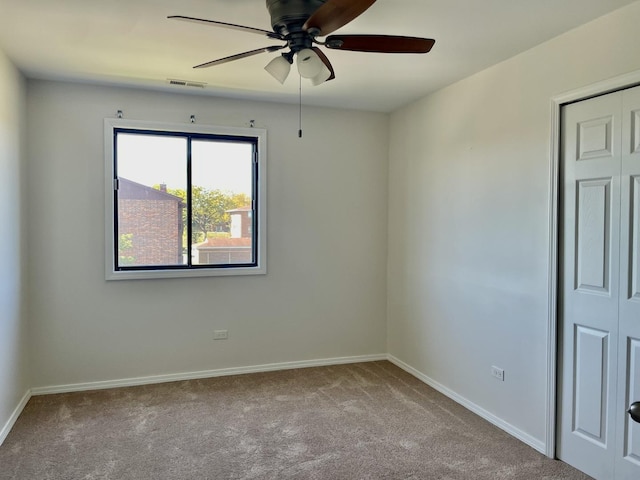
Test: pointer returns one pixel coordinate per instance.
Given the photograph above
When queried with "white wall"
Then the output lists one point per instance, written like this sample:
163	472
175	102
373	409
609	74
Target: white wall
324	295
14	381
469	220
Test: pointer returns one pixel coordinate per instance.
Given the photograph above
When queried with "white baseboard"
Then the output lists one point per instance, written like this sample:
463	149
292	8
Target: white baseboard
176	377
6	428
481	412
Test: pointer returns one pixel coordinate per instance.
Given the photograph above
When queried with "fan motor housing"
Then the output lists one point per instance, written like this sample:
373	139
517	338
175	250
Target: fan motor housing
288	16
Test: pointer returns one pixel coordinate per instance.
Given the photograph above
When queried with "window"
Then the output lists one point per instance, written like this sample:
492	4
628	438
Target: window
184	200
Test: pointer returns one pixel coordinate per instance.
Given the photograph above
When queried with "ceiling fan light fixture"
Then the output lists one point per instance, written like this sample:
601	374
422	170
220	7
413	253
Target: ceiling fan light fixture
321	18
279	68
309	64
322	77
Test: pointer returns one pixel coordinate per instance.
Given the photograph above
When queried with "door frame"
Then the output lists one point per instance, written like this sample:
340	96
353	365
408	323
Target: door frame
557	102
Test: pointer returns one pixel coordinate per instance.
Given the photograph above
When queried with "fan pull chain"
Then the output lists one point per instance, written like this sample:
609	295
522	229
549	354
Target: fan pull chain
300	109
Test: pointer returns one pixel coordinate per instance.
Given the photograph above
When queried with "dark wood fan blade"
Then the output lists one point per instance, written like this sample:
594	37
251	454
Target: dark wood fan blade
334	14
380	43
326	61
233	26
239	56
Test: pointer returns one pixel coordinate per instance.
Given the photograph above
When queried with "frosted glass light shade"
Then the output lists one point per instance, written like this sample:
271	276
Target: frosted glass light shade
279	68
309	64
322	77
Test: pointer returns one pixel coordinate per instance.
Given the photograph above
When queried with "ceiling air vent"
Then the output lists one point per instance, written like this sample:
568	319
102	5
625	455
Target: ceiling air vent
186	83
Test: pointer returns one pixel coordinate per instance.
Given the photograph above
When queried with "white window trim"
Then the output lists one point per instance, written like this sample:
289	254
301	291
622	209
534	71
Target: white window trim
260	134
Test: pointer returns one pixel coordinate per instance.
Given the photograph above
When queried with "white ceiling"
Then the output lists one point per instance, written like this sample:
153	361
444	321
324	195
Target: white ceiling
131	42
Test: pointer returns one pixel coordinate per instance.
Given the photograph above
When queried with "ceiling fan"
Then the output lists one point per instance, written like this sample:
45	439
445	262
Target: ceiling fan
299	23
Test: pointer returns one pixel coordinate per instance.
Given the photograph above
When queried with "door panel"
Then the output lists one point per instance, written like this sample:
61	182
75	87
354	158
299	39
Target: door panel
634	286
599	359
635	128
595	138
632	429
628	436
591	379
593	237
590	284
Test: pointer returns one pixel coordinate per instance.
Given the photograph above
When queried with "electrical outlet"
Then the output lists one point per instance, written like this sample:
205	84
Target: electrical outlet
220	334
497	372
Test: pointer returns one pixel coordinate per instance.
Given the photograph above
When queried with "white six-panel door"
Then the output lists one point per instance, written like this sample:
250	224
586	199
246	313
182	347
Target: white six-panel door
600	286
628	431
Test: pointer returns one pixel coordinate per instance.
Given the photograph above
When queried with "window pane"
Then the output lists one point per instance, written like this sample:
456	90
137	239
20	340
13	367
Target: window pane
222	194
151	208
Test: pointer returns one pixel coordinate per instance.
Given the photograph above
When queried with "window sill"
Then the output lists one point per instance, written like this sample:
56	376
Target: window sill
170	273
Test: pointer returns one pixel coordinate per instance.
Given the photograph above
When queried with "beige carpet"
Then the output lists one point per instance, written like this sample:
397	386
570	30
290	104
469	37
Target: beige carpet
362	421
